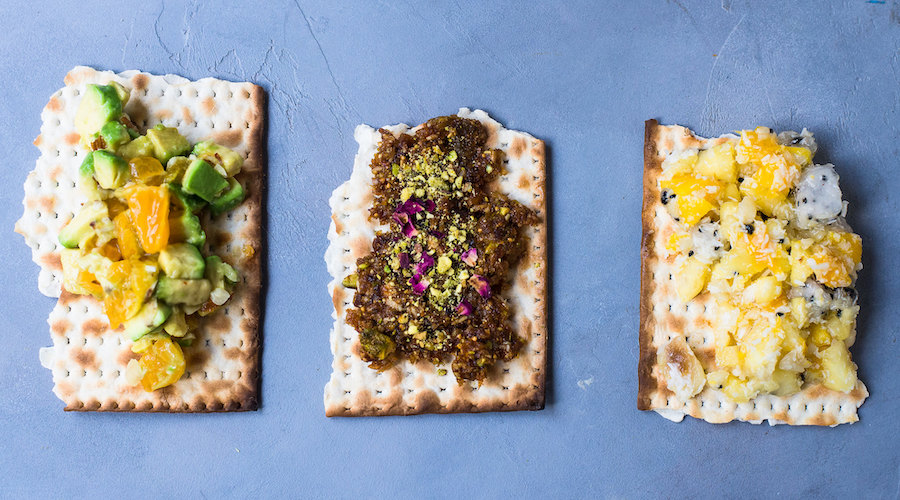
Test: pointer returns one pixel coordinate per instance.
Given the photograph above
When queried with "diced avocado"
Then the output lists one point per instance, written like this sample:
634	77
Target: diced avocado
182	260
219	273
186	201
140	146
202	180
230	199
81	227
176	325
99	104
149	318
114	135
186	227
183	291
123	93
86	182
187	340
167	142
110	171
219	155
175	169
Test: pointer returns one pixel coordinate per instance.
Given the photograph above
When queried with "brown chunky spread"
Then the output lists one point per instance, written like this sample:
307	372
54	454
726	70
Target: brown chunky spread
432	287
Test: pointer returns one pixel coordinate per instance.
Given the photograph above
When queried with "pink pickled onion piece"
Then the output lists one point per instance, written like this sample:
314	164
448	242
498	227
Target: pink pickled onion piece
464	308
470	256
481	285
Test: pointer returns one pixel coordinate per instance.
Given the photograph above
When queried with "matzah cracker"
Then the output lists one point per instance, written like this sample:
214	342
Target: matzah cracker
87	359
664	317
355	389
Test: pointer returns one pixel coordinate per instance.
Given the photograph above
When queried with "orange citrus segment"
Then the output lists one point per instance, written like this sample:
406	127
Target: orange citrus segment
162	364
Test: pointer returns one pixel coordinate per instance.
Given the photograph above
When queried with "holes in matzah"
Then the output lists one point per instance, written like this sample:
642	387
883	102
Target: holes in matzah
205	375
442	389
230	94
179	92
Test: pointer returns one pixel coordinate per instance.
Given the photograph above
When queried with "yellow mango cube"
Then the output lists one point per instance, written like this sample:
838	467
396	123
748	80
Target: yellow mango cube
718	162
728	356
763	290
838	371
788	382
691	278
799	310
819	335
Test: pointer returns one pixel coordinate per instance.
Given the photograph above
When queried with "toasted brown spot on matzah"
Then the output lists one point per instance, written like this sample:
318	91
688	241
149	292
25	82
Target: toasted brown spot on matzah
140	81
231	138
55	173
60	326
48	203
38	140
223	238
163	114
517	147
337	299
126	355
360	247
524	183
197	357
208	106
187	116
72	139
54	105
85	358
338	226
233	353
94	327
218	322
51	261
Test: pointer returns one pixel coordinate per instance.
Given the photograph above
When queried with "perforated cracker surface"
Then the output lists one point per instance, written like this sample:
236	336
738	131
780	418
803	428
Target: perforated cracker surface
664	315
355	389
87	359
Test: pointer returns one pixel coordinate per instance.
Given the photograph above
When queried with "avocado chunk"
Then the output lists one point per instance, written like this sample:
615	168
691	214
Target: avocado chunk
186	228
219	155
110	171
99	104
230	199
175	169
114	135
140	146
149	318
81	227
219	273
167	142
183	291
176	325
202	180
182	260
86	182
123	93
187	202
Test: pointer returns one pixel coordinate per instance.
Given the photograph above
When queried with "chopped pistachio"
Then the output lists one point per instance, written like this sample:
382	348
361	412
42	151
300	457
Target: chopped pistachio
444	264
350	281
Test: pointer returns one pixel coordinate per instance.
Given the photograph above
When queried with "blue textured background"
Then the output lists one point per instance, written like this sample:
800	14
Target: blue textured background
582	77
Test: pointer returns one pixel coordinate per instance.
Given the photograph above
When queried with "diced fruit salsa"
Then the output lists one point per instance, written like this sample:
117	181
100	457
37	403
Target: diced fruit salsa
137	244
761	229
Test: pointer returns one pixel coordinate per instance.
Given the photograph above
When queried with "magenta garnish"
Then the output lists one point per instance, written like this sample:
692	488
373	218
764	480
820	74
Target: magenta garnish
429	205
400	217
481	285
437	234
464	308
409	230
404	260
419	284
426	262
470	256
410	207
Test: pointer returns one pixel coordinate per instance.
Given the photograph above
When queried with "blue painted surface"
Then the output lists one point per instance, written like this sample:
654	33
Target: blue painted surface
581	77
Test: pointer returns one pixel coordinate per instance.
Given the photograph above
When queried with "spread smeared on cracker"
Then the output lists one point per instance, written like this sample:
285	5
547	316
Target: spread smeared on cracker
747	305
88	359
406	387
